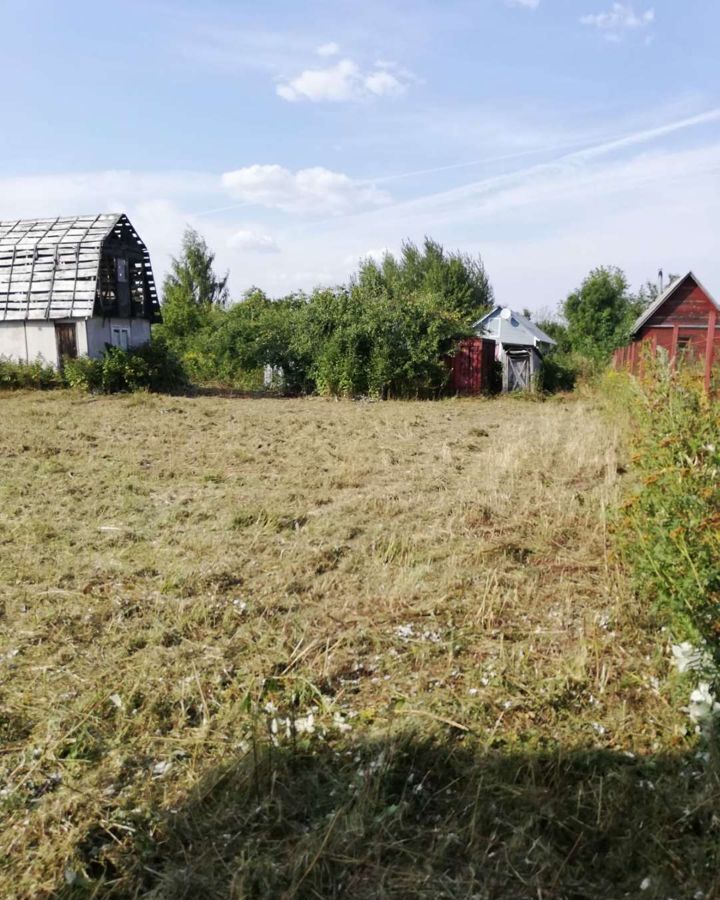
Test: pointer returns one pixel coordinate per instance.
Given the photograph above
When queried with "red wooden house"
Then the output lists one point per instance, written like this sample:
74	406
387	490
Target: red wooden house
683	321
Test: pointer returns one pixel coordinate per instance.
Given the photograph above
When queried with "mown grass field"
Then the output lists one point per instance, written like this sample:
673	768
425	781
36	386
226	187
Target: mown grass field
299	648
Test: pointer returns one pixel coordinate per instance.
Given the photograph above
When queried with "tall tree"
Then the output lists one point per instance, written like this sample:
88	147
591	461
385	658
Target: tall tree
457	281
191	289
600	313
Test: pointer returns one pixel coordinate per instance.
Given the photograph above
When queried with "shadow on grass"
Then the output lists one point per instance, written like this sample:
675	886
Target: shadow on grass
409	817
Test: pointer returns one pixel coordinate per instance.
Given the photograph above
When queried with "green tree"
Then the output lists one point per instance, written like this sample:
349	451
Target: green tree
600	313
457	281
191	291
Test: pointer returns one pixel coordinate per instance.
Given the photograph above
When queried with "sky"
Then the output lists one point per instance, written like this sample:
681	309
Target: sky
547	136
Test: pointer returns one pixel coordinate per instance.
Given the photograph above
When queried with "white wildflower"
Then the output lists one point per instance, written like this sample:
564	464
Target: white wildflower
116	700
305	724
703	704
405	631
645	883
473	692
431	636
598	728
339	722
161	768
270	708
689	658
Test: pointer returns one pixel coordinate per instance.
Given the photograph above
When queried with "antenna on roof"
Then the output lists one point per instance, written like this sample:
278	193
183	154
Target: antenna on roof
661	280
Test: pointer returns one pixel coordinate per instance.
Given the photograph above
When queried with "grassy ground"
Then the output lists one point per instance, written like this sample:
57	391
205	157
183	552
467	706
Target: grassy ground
298	648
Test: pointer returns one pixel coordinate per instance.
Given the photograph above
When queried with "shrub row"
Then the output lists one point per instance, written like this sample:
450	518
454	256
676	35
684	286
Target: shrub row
669	527
152	367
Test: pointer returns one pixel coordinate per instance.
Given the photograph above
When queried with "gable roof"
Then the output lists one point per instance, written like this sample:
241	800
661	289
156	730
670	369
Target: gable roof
49	268
512	328
665	296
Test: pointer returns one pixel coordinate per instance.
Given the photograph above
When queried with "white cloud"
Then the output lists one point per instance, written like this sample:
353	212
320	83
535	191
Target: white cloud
525	4
253	240
382	83
309	191
329	49
344	81
620	18
639	201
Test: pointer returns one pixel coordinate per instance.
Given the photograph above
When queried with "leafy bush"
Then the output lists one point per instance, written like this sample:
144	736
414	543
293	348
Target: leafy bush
18	375
559	372
670	526
152	367
385	333
84	373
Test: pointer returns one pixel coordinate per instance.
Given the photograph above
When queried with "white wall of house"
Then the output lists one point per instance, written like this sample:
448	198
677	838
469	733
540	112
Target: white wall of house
28	341
12	341
32	340
114	331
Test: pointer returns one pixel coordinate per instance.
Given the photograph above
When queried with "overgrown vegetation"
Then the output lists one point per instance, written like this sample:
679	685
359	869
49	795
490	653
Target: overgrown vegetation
671	522
292	648
151	367
383	334
20	375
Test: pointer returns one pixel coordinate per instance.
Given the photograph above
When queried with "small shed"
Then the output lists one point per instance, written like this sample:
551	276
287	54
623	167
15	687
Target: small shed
682	322
519	346
73	286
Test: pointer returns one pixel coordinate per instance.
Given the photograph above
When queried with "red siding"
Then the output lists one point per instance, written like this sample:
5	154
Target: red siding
680	327
689	305
471	367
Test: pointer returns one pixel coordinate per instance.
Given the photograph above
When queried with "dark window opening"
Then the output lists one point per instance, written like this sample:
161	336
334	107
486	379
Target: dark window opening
122	287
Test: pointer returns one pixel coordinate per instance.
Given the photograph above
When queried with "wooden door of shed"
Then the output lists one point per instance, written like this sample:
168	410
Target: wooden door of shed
66	339
518	371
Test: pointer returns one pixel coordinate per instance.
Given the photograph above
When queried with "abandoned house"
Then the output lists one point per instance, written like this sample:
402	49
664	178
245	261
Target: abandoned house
519	346
73	286
681	323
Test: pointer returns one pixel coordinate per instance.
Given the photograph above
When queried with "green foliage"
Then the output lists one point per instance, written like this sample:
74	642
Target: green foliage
191	290
19	375
670	526
242	340
371	340
559	372
600	313
457	281
384	334
152	367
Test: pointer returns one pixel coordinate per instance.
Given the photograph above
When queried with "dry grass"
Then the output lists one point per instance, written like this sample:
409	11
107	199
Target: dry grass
432	582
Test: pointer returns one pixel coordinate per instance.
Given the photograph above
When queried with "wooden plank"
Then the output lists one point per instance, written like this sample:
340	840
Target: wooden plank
674	346
710	346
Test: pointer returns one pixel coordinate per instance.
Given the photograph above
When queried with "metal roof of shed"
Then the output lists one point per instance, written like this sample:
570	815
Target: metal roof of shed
49	267
512	328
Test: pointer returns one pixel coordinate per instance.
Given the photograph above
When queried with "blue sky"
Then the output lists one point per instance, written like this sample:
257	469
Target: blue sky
549	136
